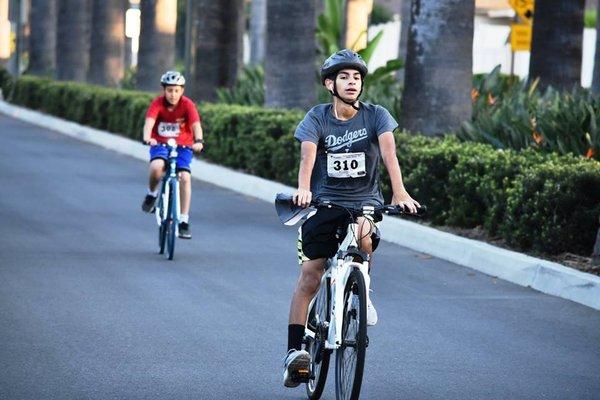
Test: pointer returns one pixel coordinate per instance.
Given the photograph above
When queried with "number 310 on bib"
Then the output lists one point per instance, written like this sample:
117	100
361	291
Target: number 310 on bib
346	165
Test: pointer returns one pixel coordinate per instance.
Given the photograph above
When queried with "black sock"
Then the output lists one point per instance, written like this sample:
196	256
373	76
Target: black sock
295	336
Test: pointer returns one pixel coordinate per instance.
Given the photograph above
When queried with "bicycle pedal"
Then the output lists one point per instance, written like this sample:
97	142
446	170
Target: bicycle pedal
302	375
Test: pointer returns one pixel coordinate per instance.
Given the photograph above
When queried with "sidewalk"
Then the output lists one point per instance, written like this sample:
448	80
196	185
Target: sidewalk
544	276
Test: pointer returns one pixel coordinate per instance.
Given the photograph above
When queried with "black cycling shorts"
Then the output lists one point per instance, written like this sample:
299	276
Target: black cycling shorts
321	234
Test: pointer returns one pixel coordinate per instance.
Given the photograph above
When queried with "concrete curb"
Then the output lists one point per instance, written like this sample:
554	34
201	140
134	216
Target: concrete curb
541	275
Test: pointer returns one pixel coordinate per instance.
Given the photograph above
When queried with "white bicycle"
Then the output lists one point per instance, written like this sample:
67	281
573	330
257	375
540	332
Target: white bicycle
337	315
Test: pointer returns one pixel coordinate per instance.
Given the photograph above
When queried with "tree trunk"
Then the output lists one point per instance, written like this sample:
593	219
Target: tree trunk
258	26
357	23
402	45
216	47
73	40
290	73
596	252
596	76
157	42
108	43
42	42
439	65
557	42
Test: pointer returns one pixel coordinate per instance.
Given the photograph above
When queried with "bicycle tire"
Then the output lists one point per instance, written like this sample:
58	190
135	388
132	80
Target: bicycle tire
319	355
162	228
350	357
171	222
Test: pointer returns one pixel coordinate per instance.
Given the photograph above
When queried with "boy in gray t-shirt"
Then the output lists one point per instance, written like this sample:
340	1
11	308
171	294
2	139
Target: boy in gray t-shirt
341	146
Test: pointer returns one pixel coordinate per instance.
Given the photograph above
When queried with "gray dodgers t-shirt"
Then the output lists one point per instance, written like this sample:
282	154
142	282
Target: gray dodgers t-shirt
356	135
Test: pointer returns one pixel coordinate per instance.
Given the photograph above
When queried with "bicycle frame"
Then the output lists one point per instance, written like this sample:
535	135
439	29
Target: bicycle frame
169	180
338	272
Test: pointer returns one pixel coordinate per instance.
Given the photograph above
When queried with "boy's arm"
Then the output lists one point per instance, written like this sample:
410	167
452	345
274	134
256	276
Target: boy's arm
147	131
387	146
308	154
198	135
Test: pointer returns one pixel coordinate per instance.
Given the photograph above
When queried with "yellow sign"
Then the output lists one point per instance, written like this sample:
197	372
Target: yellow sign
524	9
520	37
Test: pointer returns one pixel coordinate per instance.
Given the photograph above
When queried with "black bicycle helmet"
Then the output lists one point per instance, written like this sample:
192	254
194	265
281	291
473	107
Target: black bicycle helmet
341	60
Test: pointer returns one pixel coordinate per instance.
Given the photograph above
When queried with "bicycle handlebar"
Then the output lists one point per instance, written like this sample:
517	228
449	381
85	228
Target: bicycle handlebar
388	209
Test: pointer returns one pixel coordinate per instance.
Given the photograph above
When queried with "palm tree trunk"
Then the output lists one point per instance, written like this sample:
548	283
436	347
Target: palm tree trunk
357	23
596	76
73	40
290	73
108	43
596	253
157	42
42	39
557	42
258	26
403	44
215	39
439	65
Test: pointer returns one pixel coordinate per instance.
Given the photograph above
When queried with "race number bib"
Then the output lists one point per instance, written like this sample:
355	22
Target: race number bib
168	129
346	165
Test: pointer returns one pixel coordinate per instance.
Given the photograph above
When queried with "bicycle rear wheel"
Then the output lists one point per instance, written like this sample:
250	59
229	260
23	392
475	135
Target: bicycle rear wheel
350	357
319	355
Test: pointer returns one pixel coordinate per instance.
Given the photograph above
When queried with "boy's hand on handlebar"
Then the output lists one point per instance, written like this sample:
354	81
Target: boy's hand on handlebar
302	197
406	202
197	147
151	142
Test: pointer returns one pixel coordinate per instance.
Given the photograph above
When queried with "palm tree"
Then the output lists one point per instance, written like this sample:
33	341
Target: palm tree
258	24
596	78
557	41
73	40
157	41
402	45
215	41
108	43
439	64
42	37
290	70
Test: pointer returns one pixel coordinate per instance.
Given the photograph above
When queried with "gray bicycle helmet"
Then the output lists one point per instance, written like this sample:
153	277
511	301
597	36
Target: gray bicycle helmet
172	78
341	60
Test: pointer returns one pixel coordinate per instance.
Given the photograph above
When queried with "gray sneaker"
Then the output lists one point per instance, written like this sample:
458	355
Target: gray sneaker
296	368
148	204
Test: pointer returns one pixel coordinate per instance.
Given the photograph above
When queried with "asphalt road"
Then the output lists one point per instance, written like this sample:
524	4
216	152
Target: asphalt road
89	310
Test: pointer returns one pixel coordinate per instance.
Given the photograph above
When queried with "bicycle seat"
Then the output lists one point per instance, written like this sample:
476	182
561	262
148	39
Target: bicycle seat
287	211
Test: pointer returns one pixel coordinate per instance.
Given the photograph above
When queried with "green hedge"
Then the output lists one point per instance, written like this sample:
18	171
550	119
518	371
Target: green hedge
535	201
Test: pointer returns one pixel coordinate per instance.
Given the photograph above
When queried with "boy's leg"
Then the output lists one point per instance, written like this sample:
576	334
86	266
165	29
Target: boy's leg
156	171
185	191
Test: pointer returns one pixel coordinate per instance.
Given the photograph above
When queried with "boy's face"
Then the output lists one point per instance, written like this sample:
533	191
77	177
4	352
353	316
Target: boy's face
173	94
349	82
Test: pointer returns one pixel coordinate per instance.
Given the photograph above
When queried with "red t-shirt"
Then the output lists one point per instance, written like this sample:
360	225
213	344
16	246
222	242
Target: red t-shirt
176	123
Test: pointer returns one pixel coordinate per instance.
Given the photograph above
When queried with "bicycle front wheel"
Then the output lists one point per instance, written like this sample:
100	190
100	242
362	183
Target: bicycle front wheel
350	356
171	222
319	355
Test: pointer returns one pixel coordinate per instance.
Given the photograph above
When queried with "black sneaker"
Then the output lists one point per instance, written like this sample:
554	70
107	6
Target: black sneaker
148	204
184	230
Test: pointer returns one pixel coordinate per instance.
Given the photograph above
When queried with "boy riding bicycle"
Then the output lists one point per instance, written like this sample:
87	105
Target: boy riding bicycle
342	143
172	115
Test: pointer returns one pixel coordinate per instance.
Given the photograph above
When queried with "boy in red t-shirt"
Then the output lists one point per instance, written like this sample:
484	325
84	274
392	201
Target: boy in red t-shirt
172	115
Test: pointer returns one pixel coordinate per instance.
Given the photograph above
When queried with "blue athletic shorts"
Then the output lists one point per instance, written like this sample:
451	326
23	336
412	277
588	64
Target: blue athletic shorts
184	156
